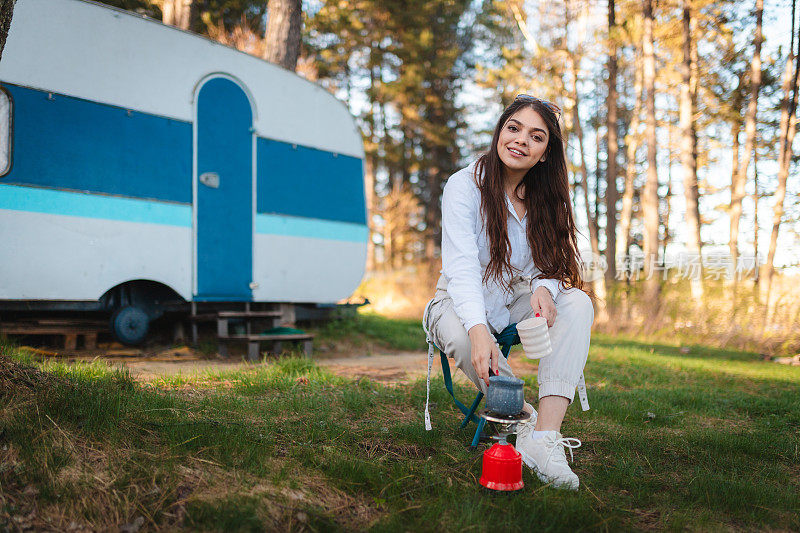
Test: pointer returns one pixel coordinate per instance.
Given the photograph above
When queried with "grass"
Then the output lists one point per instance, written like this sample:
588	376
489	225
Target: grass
708	440
371	331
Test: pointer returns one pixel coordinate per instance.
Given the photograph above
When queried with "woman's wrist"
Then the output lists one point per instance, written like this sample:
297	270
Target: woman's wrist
477	330
542	286
545	287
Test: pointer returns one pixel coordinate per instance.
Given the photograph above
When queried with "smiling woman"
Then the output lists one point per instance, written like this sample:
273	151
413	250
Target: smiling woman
508	252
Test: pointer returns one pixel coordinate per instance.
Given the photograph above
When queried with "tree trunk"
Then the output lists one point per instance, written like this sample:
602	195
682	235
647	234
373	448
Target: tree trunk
599	284
371	158
185	14
688	106
738	185
612	145
736	129
284	22
6	13
667	201
756	198
384	140
578	129
168	12
570	153
631	146
788	127
177	13
650	193
598	176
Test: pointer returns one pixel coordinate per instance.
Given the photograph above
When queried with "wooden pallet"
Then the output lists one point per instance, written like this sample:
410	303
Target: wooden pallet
70	330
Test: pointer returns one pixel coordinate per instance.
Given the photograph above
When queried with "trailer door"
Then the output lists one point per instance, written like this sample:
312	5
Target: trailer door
224	182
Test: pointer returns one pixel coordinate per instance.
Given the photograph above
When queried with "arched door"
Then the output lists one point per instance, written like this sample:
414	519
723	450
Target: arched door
224	192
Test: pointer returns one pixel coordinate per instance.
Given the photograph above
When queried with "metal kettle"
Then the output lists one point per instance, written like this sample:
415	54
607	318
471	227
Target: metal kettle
504	396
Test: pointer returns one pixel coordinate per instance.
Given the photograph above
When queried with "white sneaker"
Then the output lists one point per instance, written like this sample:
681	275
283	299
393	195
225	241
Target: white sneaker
547	459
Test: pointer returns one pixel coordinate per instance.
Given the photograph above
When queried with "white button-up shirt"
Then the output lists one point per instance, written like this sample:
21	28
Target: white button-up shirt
465	255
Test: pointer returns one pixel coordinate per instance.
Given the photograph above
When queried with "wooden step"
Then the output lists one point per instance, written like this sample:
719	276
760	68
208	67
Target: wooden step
208	317
83	322
248	314
268	337
254	343
48	329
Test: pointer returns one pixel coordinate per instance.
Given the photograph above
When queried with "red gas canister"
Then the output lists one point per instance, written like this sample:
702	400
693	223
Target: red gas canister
502	468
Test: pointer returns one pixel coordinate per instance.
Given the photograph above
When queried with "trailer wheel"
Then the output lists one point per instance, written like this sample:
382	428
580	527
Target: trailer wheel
130	324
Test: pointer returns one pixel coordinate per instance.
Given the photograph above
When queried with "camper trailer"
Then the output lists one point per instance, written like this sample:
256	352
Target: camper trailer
141	164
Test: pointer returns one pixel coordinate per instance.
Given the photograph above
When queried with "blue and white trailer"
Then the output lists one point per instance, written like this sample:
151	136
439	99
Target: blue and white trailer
140	163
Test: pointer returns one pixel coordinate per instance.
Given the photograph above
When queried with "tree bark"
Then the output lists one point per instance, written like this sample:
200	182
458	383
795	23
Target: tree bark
184	18
736	160
371	159
578	129
6	14
598	177
688	107
177	13
631	146
599	284
740	177
612	146
284	22
667	200
756	198
788	126
650	193
168	12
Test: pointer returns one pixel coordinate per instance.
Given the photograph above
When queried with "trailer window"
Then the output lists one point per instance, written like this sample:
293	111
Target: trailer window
5	133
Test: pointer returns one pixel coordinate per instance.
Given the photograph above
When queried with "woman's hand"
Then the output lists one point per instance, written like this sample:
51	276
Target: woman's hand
484	351
542	303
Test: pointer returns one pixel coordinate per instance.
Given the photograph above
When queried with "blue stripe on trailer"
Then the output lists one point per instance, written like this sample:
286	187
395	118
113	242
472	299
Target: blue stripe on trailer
100	148
70	143
311	228
306	182
77	204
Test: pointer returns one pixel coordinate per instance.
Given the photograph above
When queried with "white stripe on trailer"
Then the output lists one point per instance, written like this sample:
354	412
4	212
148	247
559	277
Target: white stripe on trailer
299	269
78	258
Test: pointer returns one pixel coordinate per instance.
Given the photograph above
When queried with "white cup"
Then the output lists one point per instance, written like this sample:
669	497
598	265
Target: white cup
535	337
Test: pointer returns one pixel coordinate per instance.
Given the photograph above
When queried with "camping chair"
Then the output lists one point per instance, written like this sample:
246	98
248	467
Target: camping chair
506	339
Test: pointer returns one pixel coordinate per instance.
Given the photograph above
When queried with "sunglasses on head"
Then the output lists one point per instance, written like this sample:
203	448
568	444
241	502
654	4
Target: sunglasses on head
549	105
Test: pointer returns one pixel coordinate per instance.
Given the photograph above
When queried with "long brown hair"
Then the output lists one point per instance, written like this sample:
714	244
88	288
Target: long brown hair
551	225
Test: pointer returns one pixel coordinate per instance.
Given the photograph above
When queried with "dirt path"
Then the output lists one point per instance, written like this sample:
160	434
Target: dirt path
394	367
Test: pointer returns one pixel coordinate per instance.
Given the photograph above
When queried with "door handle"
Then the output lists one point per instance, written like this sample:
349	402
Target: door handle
210	179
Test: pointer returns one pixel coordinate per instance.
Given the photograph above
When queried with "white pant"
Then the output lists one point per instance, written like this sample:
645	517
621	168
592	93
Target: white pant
559	373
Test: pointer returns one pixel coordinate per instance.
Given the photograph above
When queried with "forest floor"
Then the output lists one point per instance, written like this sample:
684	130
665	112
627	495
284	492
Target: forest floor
678	437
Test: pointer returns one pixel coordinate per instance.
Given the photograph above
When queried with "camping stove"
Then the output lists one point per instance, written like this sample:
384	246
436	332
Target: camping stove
502	464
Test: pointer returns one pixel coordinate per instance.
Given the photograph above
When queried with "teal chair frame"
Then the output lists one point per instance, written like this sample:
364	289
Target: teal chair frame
506	339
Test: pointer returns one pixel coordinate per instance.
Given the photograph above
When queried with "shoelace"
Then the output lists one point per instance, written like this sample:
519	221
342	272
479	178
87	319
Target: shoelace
559	444
524	429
